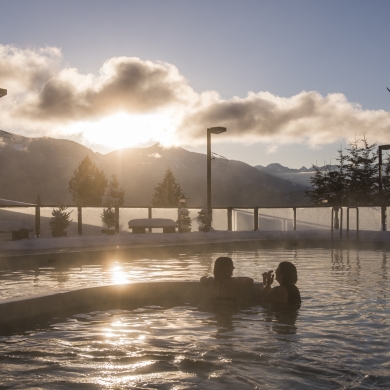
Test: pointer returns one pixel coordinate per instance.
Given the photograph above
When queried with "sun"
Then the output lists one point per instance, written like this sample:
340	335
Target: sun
124	130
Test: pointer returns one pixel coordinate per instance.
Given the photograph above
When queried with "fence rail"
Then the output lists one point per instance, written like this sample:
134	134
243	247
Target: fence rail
87	219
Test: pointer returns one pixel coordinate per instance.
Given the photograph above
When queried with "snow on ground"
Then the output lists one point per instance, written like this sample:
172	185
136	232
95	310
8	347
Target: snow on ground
10	226
124	240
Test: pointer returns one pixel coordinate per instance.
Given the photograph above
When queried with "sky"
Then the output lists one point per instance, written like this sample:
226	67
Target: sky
292	81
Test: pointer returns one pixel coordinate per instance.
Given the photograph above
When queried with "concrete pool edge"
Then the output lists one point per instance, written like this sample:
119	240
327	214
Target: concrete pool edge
26	312
44	244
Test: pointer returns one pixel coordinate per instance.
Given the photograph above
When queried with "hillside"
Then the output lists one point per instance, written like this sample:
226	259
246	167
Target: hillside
299	176
31	166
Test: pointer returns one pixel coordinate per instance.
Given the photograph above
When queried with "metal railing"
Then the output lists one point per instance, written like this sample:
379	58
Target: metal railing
257	216
334	213
357	222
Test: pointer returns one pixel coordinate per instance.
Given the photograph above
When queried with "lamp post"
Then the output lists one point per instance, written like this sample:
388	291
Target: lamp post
211	130
381	200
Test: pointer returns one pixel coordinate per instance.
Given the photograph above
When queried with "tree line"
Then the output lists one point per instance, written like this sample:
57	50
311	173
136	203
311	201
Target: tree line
354	180
89	186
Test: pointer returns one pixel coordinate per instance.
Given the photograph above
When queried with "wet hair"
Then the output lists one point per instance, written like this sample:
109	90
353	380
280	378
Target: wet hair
222	269
289	271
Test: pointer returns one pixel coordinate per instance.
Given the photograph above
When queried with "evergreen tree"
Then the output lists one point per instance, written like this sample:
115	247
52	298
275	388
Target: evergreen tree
183	217
167	192
355	180
109	217
114	195
203	219
88	184
60	219
362	171
386	180
329	184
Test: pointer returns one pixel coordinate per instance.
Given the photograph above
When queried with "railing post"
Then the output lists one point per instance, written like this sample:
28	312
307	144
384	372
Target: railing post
357	223
335	223
295	218
37	221
117	219
331	224
384	217
381	197
256	218
150	216
79	220
336	218
230	218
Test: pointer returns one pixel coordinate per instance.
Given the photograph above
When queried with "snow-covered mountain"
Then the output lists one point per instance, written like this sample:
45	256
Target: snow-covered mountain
298	176
44	166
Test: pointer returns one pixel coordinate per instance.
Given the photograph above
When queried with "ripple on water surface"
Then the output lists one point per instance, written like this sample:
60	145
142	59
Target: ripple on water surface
338	339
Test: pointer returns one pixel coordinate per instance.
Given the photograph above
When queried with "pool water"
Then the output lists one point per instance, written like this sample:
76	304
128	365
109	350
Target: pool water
16	283
338	339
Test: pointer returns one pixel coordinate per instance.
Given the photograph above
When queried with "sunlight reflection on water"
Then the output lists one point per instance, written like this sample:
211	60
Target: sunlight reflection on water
119	275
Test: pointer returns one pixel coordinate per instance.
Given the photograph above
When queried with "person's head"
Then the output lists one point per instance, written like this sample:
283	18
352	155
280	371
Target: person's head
286	273
223	268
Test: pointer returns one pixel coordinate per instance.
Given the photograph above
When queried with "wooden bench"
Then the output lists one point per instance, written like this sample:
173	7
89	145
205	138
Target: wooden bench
138	226
17	229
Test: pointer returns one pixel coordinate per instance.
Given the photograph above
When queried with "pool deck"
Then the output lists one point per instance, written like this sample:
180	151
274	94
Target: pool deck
127	241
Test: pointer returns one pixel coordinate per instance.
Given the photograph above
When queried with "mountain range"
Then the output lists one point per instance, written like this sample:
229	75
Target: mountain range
44	166
299	176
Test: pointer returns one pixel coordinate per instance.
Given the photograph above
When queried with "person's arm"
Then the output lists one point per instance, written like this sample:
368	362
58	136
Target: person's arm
243	281
268	279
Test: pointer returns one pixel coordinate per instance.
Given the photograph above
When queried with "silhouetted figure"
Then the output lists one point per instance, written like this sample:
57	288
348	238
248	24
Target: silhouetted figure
283	320
287	292
224	289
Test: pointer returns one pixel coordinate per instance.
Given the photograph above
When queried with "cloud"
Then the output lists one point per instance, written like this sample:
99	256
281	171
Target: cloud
307	117
28	69
271	149
45	94
124	84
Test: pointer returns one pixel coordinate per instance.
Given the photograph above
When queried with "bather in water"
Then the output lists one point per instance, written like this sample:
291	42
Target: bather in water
287	293
224	289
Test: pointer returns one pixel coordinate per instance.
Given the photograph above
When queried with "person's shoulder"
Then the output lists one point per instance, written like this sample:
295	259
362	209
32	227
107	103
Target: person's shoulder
295	288
206	279
278	294
281	290
294	295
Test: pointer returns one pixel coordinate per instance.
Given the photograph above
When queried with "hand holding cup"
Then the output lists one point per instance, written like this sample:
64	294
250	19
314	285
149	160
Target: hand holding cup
268	278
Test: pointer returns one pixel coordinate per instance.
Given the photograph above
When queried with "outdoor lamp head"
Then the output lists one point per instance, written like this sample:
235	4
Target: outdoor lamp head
182	198
3	92
217	130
